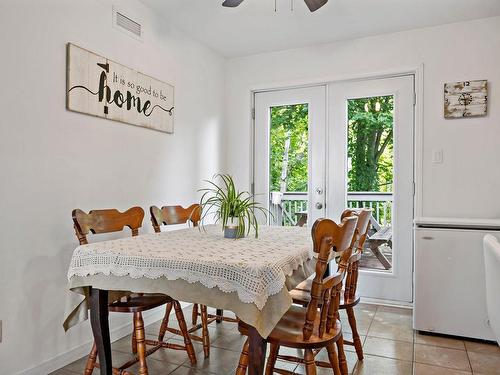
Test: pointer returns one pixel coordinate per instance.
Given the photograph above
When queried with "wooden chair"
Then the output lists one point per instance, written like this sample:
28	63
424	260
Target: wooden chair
107	221
349	298
171	215
305	327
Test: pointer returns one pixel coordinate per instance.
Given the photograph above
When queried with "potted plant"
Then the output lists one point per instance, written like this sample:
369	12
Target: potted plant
233	209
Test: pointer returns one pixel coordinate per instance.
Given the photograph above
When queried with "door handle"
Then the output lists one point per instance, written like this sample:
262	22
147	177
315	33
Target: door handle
319	205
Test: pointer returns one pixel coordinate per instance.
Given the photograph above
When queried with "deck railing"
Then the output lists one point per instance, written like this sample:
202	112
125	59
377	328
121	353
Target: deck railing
380	202
286	209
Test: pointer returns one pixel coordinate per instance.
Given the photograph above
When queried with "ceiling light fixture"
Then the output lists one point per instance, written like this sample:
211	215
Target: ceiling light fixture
313	5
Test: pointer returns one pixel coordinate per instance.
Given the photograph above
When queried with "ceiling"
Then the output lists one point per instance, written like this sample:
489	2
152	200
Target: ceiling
254	27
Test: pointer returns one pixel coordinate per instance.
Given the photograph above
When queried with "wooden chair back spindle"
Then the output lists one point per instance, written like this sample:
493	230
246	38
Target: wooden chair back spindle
362	228
328	235
169	215
106	221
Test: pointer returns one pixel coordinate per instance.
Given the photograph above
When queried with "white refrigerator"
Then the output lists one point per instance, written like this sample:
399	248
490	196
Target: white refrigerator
450	296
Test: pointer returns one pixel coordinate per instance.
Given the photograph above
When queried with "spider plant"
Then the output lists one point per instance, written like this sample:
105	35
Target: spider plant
227	204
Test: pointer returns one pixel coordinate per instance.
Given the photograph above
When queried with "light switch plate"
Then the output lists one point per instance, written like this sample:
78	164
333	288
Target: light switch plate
437	156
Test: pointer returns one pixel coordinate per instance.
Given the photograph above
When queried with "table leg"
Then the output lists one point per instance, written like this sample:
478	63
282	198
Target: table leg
256	352
100	328
219	312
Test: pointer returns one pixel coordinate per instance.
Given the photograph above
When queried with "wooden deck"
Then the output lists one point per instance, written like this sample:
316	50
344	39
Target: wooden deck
370	261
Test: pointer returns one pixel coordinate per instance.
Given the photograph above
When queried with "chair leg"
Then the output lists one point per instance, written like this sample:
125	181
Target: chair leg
204	331
185	334
243	363
134	339
355	335
220	314
309	362
164	323
341	356
334	360
271	361
141	343
89	367
194	314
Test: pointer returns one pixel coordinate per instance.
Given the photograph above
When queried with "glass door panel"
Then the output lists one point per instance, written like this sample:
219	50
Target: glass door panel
288	169
370	172
289	154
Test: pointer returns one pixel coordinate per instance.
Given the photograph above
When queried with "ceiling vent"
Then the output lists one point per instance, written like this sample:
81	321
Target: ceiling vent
127	24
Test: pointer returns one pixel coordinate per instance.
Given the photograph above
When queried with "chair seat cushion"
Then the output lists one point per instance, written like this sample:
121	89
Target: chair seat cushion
302	295
138	303
288	331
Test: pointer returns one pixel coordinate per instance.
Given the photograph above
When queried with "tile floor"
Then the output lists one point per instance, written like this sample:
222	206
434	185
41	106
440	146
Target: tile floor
390	345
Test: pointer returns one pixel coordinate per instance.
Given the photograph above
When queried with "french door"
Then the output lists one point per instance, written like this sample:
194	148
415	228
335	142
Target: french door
289	154
315	154
370	155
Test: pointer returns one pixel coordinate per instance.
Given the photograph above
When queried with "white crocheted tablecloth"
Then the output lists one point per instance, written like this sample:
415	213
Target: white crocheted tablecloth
254	268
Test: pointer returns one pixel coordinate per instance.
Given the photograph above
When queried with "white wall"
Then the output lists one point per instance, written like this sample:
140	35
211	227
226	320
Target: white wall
53	160
467	184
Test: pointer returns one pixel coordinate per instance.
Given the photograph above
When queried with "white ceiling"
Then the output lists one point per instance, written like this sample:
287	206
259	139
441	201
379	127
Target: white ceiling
254	27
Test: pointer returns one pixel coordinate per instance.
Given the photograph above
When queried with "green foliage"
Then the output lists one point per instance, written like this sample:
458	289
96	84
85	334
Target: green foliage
228	202
289	121
370	143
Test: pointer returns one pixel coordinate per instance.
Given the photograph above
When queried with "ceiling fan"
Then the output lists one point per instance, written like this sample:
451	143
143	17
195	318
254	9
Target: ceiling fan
313	5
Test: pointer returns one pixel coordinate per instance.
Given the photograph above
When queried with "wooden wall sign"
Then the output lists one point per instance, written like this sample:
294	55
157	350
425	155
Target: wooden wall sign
100	87
465	99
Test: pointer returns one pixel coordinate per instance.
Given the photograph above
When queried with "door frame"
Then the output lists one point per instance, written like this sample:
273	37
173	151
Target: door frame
402	188
417	71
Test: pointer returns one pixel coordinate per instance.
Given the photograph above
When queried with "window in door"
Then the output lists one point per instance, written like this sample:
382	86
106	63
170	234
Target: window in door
288	164
370	162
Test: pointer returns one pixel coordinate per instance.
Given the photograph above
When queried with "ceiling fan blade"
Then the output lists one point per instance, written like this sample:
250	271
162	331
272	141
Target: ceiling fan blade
314	5
231	3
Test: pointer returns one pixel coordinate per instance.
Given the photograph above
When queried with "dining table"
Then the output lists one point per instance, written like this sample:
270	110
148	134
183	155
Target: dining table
251	276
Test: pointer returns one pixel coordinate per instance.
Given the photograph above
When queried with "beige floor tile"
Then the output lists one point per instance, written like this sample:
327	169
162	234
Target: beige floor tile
221	361
389	348
444	342
373	365
442	357
479	347
118	359
348	336
363	321
155	367
177	357
391	330
186	371
319	370
233	341
395	310
394	317
63	372
484	364
351	358
423	369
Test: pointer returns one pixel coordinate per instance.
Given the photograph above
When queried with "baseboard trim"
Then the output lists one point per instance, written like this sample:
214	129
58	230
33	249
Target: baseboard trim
82	350
386	302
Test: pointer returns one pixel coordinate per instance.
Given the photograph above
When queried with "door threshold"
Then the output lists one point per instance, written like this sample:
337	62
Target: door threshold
386	302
